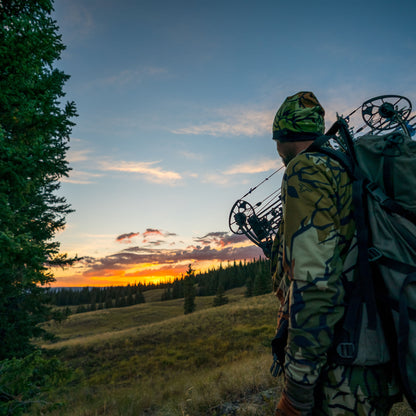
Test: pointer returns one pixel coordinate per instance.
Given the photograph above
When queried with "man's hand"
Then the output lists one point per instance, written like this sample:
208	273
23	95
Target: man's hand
296	400
286	408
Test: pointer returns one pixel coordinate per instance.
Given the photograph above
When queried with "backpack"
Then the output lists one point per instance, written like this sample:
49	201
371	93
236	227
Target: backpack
379	324
379	276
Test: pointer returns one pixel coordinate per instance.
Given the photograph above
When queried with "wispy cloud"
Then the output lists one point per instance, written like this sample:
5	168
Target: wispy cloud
247	168
126	238
254	167
131	76
232	122
148	170
78	151
81	177
75	156
152	232
191	156
213	247
155	261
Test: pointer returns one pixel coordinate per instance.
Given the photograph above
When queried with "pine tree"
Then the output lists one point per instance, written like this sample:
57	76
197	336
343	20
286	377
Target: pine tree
139	298
34	133
262	281
249	288
220	298
189	291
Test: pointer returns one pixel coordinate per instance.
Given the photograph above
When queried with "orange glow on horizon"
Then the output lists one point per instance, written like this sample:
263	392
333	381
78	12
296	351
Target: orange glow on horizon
146	273
120	277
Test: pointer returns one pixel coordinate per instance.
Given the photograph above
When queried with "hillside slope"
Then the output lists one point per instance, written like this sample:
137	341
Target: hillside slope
150	359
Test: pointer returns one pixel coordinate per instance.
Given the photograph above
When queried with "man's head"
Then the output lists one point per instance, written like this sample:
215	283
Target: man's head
298	122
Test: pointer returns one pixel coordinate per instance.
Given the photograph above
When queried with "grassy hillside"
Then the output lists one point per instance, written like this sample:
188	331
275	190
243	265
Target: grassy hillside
150	359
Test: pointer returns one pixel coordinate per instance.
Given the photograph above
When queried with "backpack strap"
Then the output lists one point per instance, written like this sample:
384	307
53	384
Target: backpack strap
364	289
365	286
344	160
403	337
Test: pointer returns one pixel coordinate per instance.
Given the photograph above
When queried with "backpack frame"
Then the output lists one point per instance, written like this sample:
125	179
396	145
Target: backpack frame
379	324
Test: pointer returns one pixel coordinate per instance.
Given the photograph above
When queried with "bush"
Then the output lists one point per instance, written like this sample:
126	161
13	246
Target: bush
26	382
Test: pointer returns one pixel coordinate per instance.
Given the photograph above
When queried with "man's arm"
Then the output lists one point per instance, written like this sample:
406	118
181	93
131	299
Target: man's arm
317	206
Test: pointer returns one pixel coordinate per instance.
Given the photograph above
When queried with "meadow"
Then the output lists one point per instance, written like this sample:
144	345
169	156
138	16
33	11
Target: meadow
151	359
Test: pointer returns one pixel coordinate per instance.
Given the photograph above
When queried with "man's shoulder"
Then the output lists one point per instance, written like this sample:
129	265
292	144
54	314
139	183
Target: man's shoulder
318	161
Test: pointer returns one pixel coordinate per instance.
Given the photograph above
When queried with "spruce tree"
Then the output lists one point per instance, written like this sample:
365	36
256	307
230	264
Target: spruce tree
139	297
34	133
249	287
189	291
220	298
262	281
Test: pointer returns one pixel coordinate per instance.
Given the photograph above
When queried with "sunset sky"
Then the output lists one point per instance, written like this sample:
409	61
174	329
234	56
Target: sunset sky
176	101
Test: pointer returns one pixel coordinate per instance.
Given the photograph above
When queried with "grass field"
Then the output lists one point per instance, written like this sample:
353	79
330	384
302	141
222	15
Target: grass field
150	359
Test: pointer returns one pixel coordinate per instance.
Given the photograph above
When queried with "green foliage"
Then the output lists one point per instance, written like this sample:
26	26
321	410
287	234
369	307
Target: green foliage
189	291
27	382
233	276
34	131
91	298
262	281
220	298
249	287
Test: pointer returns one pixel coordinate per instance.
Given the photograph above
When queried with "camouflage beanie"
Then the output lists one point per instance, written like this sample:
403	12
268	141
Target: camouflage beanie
299	118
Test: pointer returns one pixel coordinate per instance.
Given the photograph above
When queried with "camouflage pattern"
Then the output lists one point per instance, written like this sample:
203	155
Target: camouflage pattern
299	114
358	391
307	262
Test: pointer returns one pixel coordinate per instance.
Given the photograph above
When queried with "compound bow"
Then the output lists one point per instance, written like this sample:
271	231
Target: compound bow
260	221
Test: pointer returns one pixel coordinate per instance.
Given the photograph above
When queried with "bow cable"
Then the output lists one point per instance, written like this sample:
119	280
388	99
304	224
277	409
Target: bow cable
261	183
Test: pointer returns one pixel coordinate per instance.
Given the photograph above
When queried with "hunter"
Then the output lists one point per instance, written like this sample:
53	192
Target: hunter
307	263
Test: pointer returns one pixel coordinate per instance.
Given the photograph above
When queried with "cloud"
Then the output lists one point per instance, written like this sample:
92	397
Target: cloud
81	177
158	260
254	167
148	170
233	122
219	239
215	246
126	238
131	76
246	168
151	232
76	21
75	156
191	156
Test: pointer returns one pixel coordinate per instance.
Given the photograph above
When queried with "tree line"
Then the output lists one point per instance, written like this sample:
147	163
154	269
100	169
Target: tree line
93	298
255	275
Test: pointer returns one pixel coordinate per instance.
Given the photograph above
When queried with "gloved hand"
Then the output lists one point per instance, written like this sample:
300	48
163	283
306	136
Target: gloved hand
296	400
286	408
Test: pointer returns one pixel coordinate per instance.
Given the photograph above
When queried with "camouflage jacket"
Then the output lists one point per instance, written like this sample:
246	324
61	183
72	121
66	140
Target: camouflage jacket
309	252
307	263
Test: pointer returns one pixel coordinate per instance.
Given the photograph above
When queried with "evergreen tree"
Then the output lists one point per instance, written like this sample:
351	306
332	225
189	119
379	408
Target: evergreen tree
167	294
34	133
108	302
189	291
249	287
139	298
262	281
130	299
220	298
177	289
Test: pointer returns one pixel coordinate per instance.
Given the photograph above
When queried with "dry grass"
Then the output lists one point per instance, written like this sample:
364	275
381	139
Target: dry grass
150	359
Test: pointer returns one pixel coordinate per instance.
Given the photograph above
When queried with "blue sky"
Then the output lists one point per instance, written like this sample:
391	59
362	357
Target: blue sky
176	100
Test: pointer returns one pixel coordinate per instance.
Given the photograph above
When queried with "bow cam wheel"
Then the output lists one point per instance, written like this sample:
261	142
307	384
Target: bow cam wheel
239	214
386	112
